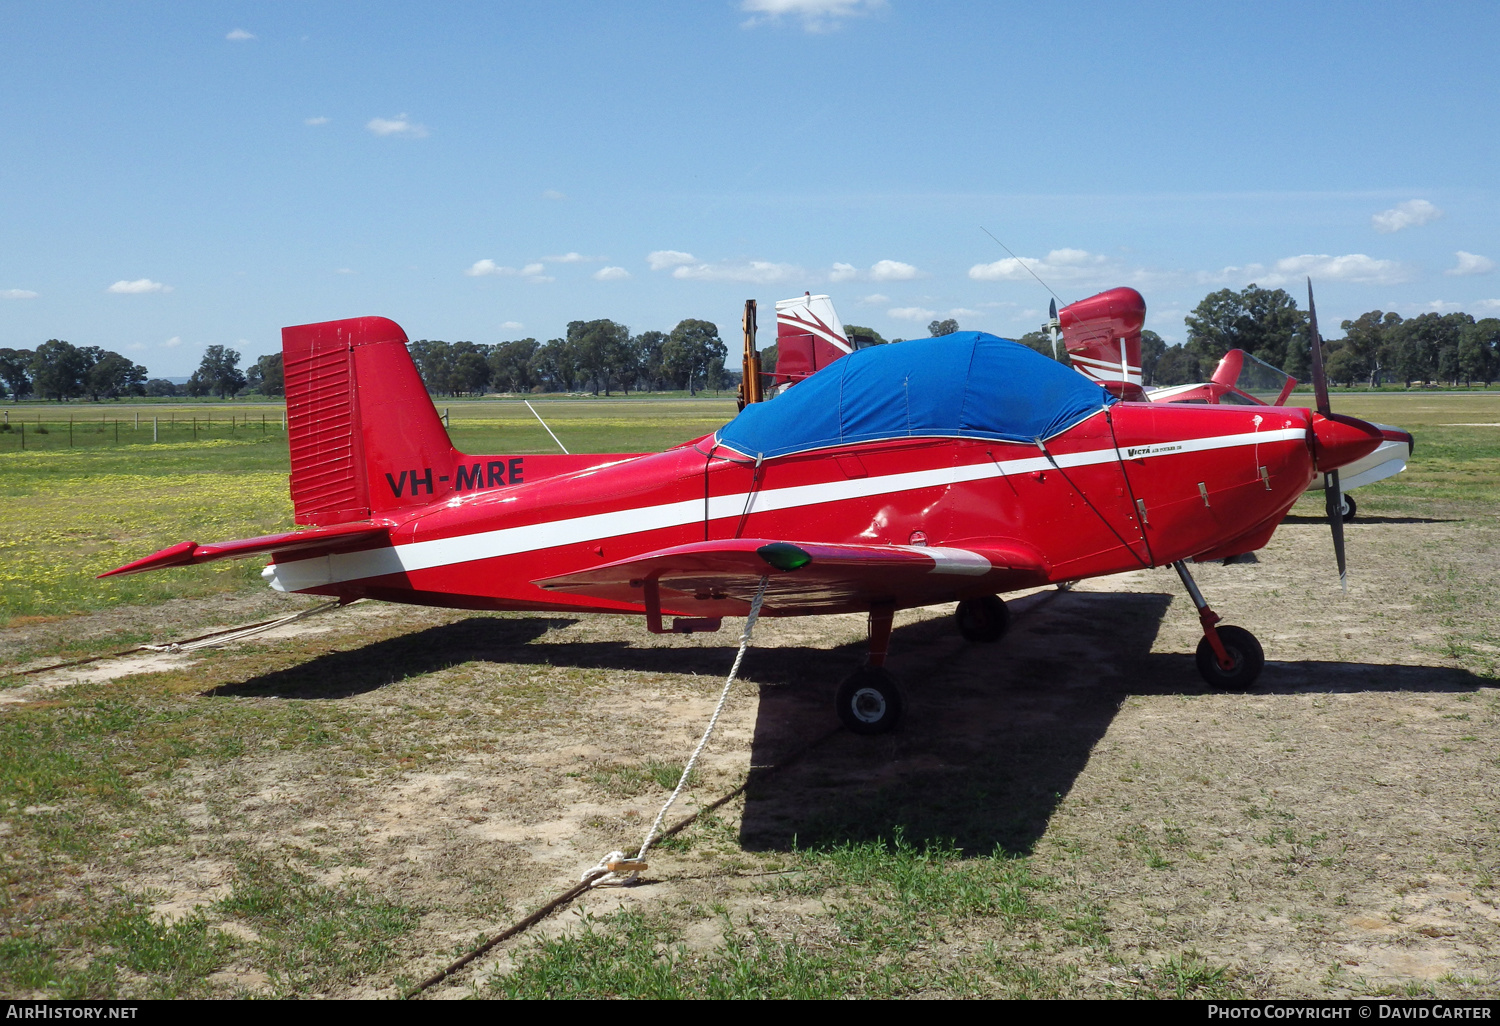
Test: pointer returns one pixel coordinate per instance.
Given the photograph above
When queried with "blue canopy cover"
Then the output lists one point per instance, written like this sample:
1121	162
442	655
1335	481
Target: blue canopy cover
966	385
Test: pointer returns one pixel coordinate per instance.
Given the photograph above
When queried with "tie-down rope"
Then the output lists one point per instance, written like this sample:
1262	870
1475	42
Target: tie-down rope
615	868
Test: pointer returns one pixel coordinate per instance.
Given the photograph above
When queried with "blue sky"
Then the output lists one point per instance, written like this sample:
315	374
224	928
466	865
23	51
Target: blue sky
174	176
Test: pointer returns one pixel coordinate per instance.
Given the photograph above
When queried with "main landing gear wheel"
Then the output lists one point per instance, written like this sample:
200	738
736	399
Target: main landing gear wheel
869	701
1348	509
983	619
1244	651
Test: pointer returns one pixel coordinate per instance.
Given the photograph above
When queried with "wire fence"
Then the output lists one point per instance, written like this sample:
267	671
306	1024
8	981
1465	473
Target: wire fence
49	428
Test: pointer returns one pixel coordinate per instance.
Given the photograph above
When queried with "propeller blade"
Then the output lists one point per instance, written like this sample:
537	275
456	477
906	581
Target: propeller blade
1334	498
1320	379
1052	325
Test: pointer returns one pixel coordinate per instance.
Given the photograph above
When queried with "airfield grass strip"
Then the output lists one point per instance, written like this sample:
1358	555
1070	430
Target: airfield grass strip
756	775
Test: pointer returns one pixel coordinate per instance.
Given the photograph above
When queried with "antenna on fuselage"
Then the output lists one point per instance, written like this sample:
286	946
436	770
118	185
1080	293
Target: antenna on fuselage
538	416
1020	261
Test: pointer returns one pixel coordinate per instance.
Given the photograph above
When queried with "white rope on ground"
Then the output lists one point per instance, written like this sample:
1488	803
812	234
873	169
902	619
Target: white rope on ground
615	868
219	637
232	634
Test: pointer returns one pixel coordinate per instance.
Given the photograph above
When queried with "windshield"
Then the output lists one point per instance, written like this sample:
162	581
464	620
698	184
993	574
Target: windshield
1262	380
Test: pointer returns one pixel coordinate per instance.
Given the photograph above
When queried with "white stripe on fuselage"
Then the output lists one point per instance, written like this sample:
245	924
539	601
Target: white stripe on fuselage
300	574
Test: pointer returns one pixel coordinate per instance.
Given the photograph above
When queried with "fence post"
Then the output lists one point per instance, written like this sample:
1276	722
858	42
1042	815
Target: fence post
155	421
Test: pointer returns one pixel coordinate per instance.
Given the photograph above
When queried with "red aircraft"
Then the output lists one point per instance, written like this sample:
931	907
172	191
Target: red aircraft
936	470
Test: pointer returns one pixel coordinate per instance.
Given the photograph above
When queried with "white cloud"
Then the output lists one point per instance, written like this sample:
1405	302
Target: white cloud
1405	215
512	326
172	343
881	270
553	194
912	313
893	270
611	274
1058	265
1470	263
486	267
398	125
573	258
239	35
815	15
963	311
315	121
344	270
137	287
664	258
1439	305
17	294
751	272
876	300
1355	267
1488	304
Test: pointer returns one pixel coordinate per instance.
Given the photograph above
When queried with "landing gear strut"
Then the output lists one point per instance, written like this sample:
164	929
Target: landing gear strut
868	701
1228	657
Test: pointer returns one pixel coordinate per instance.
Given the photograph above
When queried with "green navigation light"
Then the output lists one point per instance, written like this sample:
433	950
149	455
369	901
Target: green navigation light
784	555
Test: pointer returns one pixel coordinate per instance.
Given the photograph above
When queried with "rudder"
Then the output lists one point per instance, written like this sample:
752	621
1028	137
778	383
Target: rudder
357	412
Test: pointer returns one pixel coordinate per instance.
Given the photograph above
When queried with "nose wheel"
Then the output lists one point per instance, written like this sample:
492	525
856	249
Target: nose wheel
1229	658
869	701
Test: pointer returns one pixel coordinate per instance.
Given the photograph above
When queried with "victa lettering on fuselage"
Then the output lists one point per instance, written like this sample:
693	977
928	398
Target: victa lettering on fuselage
467	477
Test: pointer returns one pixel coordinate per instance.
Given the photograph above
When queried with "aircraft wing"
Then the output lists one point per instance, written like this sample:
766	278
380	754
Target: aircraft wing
719	578
312	541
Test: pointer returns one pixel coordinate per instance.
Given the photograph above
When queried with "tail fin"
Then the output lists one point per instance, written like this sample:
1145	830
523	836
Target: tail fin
1228	370
1103	336
357	410
808	337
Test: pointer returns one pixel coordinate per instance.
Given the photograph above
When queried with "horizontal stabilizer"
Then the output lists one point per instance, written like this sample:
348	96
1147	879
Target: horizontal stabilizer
720	578
311	542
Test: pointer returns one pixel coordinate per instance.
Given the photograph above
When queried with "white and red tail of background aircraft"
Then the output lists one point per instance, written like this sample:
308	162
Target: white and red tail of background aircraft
1103	338
936	470
808	338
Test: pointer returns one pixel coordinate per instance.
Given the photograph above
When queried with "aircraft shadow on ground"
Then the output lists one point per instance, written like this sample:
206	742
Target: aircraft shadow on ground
994	735
381	663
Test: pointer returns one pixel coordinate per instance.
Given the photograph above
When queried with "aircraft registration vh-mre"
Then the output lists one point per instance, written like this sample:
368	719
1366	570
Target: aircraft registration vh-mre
950	469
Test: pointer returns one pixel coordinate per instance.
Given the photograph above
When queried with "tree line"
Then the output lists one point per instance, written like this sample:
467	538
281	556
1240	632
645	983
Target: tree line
59	370
598	356
602	355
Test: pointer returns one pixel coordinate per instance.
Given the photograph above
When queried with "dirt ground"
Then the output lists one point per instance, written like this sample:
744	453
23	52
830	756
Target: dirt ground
1330	832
